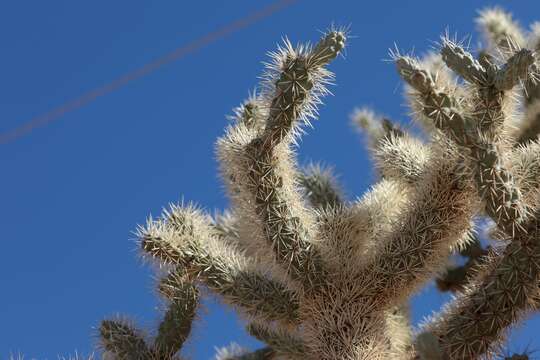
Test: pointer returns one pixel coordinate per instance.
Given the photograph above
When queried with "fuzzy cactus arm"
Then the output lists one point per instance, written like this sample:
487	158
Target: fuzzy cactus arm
282	342
495	182
297	80
497	187
463	63
402	158
374	126
175	327
346	233
489	78
529	127
293	94
335	321
442	79
437	219
123	341
368	123
500	30
258	166
519	68
320	187
443	108
525	163
396	154
234	232
184	238
226	226
250	113
476	322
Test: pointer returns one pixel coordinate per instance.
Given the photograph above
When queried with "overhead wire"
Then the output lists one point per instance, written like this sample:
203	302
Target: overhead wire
192	46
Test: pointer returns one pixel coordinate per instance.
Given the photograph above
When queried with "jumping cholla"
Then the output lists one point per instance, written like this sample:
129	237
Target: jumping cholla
319	277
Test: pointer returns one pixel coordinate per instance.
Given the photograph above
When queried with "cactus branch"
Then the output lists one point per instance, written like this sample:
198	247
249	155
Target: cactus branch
184	238
280	341
295	92
124	341
175	327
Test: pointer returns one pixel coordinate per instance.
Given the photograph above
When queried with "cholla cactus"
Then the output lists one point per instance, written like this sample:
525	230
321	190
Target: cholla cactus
319	277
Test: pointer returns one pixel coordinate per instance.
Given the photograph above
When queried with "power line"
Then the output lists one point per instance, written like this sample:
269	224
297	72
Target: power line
192	46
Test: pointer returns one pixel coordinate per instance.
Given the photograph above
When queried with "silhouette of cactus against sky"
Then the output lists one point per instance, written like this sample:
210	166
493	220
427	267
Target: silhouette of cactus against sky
320	277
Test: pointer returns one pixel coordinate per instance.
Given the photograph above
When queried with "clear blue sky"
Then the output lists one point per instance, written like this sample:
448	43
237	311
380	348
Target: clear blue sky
72	192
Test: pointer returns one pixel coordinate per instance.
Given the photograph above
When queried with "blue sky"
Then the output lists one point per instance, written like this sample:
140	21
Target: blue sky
73	191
